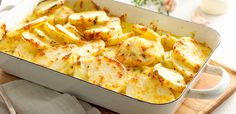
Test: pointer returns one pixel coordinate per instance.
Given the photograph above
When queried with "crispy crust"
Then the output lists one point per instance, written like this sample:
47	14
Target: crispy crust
169	78
113	79
137	51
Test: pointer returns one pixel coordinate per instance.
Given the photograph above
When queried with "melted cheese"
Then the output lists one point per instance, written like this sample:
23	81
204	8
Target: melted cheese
108	73
149	89
137	51
169	78
188	56
91	45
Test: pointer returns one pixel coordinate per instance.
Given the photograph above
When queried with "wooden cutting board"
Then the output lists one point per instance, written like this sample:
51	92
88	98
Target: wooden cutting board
189	106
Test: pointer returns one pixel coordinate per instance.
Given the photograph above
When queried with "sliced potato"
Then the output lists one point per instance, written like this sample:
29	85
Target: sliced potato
8	45
51	31
169	78
51	19
99	32
80	72
114	24
44	37
137	51
168	42
30	25
190	53
91	48
111	29
81	67
88	18
167	62
126	27
62	14
135	72
84	5
60	58
25	50
29	46
108	73
185	71
118	39
145	32
110	51
149	89
34	40
78	32
68	36
47	6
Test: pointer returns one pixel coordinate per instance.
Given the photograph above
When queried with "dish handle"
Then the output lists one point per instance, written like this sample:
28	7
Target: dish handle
215	91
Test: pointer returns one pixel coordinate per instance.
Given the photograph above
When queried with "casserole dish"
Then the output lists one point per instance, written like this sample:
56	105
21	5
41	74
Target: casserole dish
103	97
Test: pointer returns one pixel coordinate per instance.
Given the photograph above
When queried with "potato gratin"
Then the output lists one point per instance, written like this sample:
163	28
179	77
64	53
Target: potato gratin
90	44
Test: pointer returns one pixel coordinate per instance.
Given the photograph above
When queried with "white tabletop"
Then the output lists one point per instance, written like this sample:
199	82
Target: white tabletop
225	25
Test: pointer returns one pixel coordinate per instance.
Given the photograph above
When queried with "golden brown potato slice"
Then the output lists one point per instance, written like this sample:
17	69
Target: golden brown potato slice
99	32
185	71
167	61
188	56
26	50
145	32
137	51
118	39
68	36
29	45
30	25
169	78
81	67
51	31
110	51
90	48
108	73
149	89
88	18
168	42
80	72
143	71
34	40
190	53
62	14
104	31
8	45
84	5
126	27
47	6
114	23
78	32
44	37
60	58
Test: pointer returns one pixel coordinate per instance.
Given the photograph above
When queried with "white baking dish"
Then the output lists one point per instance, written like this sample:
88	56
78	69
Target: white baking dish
103	97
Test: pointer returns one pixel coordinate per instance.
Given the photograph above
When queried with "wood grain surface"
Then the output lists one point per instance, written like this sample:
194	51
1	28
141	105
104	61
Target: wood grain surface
189	106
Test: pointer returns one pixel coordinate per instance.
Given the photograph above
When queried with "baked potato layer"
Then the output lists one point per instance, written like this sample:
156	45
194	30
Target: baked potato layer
88	43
